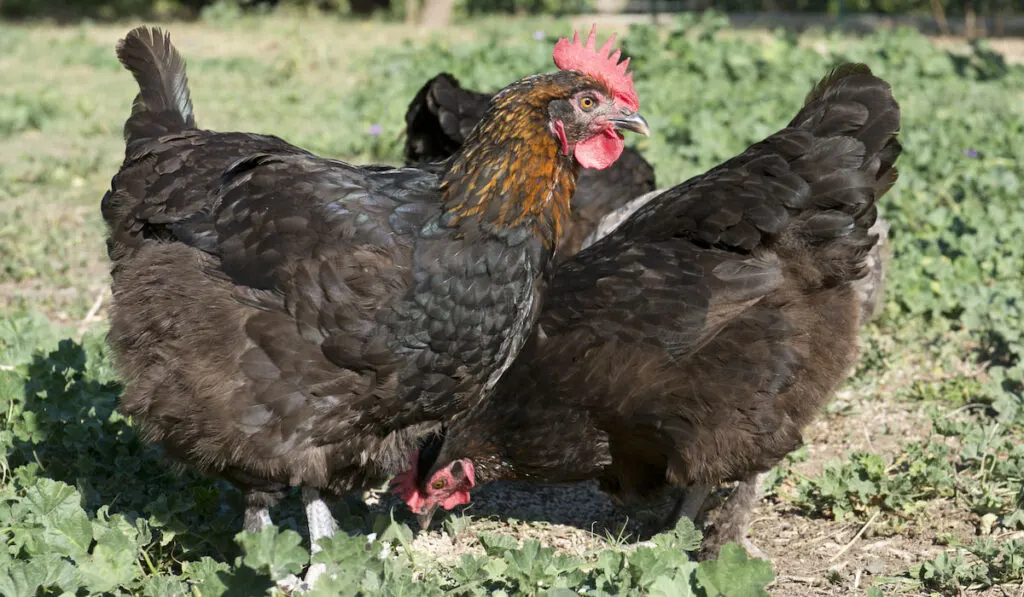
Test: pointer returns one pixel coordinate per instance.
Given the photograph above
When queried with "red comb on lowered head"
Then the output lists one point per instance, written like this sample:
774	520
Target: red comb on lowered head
596	62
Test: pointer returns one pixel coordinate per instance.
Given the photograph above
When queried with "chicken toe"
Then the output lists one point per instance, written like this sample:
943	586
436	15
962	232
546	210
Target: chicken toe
752	550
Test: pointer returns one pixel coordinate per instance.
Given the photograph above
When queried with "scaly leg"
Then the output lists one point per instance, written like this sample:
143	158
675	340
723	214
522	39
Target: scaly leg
687	505
731	521
257	511
256	519
321	525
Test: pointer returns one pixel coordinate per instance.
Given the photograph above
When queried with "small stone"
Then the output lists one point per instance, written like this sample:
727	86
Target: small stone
875	566
986	524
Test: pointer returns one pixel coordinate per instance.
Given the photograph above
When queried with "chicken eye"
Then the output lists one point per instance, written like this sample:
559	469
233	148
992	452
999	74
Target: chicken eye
439	484
587	103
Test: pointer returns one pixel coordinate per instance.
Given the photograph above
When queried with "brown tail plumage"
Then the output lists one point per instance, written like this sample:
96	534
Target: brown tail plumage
855	119
163	105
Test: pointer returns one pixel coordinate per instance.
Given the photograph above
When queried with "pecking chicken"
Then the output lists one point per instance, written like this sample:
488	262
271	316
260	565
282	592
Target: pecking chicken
692	345
282	319
442	115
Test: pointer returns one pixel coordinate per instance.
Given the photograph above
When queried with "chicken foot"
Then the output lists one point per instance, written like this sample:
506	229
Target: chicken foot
731	521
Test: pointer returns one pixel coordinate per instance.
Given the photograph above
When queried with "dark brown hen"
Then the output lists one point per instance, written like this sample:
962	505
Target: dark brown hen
692	345
442	115
282	319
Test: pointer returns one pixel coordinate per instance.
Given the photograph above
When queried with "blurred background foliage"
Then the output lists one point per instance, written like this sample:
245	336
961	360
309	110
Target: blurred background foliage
114	9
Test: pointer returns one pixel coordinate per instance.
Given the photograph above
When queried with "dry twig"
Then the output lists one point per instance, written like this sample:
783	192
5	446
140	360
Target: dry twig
856	537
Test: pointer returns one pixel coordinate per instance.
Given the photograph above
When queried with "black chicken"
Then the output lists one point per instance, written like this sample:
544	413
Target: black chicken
442	115
282	319
692	345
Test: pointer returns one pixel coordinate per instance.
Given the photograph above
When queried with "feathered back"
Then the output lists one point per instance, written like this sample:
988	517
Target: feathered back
163	104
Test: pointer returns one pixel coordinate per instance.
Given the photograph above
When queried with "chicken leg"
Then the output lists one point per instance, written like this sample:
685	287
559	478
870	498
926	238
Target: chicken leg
688	505
321	525
257	510
730	524
319	520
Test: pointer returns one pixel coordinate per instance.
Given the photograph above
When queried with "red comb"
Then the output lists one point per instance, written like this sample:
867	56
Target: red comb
596	62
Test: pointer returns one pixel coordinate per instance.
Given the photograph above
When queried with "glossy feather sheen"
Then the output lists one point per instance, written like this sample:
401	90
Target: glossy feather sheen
693	344
442	116
283	319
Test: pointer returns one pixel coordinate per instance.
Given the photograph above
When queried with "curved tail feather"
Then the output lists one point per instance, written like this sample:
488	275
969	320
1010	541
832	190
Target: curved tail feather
163	105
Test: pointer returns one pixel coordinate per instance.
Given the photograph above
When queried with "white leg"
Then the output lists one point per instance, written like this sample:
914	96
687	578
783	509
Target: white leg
754	551
688	505
256	519
321	525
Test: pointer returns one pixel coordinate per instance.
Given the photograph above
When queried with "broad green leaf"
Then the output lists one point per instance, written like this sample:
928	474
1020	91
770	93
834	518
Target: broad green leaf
734	574
675	586
113	561
275	553
346	548
684	536
397	532
205	575
496	545
165	586
56	507
45	571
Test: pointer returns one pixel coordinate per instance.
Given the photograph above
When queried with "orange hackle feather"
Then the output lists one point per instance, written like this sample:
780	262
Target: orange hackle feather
599	63
521	154
518	177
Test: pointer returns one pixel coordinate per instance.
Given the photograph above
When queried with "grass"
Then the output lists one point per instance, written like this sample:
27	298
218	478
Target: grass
910	482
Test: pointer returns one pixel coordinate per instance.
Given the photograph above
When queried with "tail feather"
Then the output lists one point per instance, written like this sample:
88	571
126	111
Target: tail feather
163	105
440	118
856	119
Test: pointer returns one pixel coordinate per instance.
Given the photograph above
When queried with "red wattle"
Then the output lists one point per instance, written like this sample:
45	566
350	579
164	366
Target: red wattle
600	151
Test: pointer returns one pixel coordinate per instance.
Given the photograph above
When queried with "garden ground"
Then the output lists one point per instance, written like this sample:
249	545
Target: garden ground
910	482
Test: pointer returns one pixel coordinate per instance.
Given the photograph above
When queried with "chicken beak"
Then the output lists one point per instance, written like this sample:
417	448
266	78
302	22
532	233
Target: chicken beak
426	515
634	122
